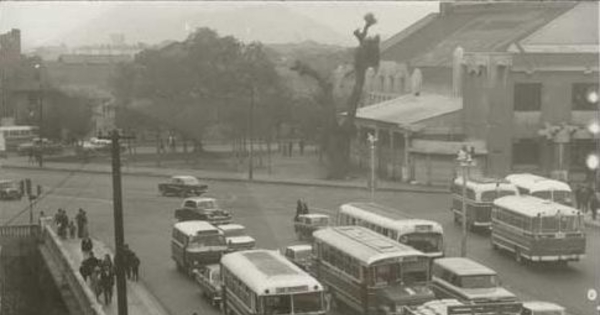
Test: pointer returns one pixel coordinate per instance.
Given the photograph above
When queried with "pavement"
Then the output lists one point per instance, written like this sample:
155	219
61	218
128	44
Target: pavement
139	299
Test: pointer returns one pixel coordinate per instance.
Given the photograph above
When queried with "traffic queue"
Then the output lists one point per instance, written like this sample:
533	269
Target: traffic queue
375	259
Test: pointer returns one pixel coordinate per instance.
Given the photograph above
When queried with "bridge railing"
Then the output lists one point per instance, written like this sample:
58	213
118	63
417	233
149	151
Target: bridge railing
20	231
86	299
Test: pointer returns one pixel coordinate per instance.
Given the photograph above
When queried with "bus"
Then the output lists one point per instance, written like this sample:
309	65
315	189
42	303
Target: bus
480	195
369	272
15	135
542	187
264	282
536	229
423	235
195	244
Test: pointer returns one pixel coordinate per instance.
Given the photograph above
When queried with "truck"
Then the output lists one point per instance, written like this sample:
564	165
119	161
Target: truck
455	307
208	279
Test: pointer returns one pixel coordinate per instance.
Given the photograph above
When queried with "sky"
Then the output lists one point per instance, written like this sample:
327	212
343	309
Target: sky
47	23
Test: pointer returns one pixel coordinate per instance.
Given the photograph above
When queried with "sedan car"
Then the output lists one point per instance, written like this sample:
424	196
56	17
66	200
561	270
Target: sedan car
204	209
236	237
182	186
10	190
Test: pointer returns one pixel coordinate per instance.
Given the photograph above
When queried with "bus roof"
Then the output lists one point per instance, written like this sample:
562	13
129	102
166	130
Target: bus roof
366	246
192	228
537	183
542	306
388	217
463	266
532	206
268	272
486	183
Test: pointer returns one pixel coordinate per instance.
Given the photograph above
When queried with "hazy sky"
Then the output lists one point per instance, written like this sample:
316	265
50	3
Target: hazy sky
46	22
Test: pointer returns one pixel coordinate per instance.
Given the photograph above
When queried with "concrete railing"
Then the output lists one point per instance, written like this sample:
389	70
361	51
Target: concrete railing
85	299
20	231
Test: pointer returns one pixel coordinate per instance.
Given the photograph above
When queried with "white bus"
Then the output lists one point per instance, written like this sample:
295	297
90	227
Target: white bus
264	282
480	195
15	135
369	272
535	229
196	243
424	235
542	187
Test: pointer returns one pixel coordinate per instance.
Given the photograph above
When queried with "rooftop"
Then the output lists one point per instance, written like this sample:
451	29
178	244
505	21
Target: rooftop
410	109
532	206
464	266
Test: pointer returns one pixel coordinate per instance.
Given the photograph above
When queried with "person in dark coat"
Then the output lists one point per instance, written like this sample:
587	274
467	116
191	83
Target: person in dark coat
127	261
594	205
107	282
587	193
579	197
299	209
135	265
81	219
88	266
72	229
87	245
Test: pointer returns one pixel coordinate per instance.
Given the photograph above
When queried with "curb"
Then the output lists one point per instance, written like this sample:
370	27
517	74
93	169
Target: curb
225	179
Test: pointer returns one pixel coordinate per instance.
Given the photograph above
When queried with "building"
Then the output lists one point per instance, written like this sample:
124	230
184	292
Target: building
465	67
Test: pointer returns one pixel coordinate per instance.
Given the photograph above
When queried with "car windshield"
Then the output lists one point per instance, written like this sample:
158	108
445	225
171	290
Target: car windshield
207	204
189	180
479	282
206	240
302	254
425	242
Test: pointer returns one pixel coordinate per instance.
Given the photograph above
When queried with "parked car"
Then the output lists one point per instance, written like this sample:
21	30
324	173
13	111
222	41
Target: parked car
47	147
209	280
182	186
300	255
204	209
236	237
10	190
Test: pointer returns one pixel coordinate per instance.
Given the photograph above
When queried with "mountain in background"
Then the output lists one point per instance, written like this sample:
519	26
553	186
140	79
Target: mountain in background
163	21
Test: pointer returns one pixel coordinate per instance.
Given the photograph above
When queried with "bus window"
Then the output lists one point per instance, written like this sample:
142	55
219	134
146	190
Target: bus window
278	304
479	282
380	275
549	224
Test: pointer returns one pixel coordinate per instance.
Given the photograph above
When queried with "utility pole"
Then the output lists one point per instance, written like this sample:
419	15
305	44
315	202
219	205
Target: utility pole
115	138
40	149
251	125
372	140
465	160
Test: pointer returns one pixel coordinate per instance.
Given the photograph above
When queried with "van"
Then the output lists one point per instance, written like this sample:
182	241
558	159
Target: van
468	281
195	244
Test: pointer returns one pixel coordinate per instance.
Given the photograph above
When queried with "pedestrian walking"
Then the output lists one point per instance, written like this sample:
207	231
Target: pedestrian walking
87	245
88	265
107	282
135	266
299	209
107	262
127	261
95	282
586	195
579	191
304	207
301	146
82	222
72	229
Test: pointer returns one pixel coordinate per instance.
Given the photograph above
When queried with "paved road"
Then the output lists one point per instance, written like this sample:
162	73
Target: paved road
266	210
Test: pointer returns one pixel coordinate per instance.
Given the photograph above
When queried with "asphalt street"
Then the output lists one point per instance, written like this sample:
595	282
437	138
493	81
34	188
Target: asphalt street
267	210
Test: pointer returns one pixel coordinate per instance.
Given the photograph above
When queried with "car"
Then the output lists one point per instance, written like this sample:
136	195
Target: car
300	255
542	308
306	224
182	185
236	237
208	279
10	190
204	209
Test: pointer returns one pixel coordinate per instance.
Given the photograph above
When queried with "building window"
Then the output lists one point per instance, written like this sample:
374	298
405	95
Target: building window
526	151
579	95
528	97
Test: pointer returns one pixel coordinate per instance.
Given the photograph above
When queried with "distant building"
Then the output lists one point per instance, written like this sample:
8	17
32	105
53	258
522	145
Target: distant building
497	76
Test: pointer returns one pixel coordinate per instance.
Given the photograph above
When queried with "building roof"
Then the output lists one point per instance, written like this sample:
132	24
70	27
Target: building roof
574	31
409	109
475	26
464	266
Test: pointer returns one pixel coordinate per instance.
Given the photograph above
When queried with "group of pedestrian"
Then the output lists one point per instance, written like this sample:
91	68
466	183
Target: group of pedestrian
66	227
131	263
101	273
301	208
586	200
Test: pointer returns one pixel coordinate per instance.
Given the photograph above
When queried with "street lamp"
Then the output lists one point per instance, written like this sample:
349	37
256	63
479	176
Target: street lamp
465	160
40	150
372	138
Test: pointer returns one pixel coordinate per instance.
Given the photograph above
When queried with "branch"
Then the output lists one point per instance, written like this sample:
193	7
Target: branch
306	70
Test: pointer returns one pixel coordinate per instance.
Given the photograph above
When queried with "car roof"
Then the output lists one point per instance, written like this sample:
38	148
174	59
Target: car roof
191	228
300	247
463	266
542	306
199	199
231	226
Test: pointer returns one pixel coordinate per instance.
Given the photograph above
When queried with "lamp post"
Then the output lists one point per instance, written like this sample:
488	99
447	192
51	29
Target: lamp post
251	130
465	161
40	149
372	140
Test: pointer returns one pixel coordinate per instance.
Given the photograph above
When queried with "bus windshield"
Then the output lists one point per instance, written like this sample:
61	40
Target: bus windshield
479	282
307	302
278	304
206	240
425	242
553	223
490	195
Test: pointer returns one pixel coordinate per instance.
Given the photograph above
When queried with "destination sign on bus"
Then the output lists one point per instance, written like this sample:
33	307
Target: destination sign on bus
423	228
302	288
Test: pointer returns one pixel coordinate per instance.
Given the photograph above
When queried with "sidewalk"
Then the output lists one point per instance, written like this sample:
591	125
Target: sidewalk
140	301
